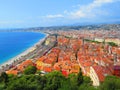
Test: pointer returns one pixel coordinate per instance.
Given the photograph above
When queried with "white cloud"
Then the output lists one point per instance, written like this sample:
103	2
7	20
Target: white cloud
55	16
86	11
90	10
78	14
98	3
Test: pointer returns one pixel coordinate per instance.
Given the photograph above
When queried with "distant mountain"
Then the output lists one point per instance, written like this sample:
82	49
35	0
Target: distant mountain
81	27
93	23
71	27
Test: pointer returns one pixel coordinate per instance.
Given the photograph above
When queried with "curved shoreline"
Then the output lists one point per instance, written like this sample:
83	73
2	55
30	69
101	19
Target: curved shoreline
18	57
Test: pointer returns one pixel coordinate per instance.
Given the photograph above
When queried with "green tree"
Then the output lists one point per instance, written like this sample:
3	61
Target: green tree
54	80
80	78
87	87
86	84
70	83
4	77
51	81
87	80
27	82
111	83
112	44
30	70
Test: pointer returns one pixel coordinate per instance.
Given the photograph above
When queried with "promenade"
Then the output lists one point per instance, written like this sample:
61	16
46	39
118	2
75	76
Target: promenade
33	52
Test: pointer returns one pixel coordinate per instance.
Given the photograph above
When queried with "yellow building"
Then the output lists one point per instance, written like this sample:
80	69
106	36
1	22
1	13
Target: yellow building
47	42
94	77
99	39
39	63
98	74
115	40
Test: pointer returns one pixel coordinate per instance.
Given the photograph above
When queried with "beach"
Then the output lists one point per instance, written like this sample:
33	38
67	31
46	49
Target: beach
21	57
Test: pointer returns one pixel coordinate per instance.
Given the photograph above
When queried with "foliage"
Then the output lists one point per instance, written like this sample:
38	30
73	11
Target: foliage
4	77
88	40
111	83
55	81
112	44
29	82
80	78
30	70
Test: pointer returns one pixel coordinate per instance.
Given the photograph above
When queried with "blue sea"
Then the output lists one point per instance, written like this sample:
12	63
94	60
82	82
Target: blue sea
14	43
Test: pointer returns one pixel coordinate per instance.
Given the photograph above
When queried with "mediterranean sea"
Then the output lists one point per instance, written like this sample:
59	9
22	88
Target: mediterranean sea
14	43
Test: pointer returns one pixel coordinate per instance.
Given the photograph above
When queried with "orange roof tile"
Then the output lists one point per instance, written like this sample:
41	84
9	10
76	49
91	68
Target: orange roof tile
101	72
14	72
47	69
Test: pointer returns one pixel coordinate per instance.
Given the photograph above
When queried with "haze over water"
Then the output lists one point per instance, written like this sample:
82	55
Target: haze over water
14	43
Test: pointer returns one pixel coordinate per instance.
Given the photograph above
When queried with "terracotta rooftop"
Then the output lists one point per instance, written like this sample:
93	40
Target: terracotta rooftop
14	72
101	72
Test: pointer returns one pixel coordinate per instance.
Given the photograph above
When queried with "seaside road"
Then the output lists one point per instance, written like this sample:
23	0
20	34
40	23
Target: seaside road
38	52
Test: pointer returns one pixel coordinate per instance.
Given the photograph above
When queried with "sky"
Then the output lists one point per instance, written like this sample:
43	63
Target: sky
35	13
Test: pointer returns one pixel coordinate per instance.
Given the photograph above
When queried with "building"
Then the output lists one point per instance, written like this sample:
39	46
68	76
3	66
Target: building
98	74
99	39
115	40
117	71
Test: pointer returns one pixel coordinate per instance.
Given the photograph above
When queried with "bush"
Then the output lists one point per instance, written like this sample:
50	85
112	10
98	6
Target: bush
111	83
30	70
112	44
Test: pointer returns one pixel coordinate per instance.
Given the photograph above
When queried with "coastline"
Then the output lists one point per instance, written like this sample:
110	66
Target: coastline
10	62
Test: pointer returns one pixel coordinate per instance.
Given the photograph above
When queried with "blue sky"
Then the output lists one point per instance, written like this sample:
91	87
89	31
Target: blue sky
32	13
